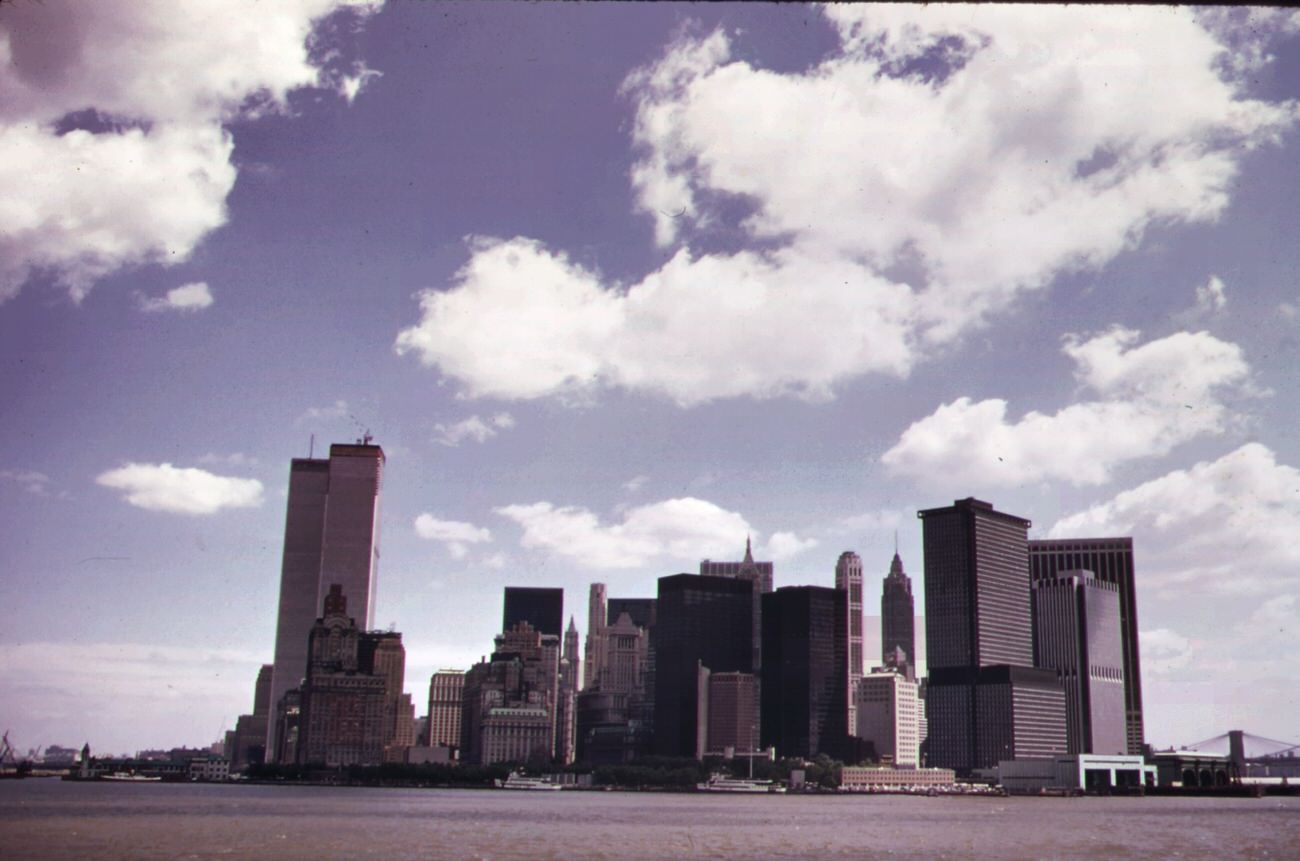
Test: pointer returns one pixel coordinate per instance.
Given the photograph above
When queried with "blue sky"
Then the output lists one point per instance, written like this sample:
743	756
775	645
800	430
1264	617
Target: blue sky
617	285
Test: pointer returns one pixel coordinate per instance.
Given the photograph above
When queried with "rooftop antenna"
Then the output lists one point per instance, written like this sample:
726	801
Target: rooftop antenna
311	447
895	542
366	437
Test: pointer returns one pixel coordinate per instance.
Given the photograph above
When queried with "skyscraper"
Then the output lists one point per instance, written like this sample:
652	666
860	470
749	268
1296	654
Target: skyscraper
1111	561
985	701
1077	633
805	638
898	620
331	535
848	577
700	621
445	690
597	619
543	608
889	717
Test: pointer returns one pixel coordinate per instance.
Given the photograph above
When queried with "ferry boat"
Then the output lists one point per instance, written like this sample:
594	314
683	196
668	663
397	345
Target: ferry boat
129	777
718	783
518	781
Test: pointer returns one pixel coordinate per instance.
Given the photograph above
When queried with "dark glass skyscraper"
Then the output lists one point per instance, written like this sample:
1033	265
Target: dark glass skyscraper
986	702
331	536
699	621
898	620
805	652
1111	561
541	607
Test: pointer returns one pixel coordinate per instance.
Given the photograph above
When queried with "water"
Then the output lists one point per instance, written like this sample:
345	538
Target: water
51	819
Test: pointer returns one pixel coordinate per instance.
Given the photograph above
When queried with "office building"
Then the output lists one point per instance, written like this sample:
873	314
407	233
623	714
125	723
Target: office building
542	608
507	698
446	688
848	577
331	535
760	576
615	709
597	618
985	701
889	717
701	621
343	700
805	649
730	714
898	620
1111	561
248	739
1077	634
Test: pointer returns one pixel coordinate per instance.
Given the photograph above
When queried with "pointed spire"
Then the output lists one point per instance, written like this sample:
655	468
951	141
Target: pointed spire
896	566
572	626
749	553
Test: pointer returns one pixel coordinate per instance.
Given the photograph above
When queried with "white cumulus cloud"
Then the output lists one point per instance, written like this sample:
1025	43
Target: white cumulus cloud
1149	398
683	528
113	121
178	490
188	297
455	535
1211	296
887	192
474	428
784	546
1225	525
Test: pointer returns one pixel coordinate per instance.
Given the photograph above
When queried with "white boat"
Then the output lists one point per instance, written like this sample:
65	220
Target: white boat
518	781
129	777
718	783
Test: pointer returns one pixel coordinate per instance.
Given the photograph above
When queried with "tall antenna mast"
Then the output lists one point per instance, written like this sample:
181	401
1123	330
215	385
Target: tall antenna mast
311	448
895	542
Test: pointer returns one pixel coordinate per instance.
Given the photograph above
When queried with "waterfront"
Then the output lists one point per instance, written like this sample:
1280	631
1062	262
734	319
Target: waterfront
50	819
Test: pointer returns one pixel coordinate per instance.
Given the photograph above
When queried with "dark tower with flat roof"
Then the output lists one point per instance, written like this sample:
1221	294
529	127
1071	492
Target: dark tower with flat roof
541	607
986	701
805	658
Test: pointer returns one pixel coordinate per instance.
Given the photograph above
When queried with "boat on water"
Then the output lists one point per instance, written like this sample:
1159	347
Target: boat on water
519	781
129	777
718	783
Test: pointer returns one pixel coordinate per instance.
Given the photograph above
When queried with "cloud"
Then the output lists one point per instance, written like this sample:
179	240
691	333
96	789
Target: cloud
163	487
635	483
32	481
113	119
336	410
1224	526
784	546
1164	650
188	297
1150	399
454	534
880	200
684	528
234	459
475	428
1210	296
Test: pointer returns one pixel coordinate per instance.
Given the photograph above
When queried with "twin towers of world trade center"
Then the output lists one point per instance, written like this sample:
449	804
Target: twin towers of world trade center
331	537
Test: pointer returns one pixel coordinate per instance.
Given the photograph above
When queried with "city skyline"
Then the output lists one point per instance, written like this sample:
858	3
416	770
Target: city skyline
1055	283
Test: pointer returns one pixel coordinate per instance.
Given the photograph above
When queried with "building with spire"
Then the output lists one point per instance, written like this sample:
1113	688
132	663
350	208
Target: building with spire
331	535
760	576
848	577
898	620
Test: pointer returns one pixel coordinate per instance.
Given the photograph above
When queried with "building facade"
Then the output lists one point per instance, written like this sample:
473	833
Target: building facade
1077	634
520	681
331	535
1111	561
730	718
541	607
805	649
446	688
898	620
700	621
848	577
889	717
985	701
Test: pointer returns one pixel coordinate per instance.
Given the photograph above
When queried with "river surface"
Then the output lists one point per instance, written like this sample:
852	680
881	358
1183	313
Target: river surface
53	819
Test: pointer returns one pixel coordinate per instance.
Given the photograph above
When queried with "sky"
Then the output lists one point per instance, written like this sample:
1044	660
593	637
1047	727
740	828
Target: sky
616	286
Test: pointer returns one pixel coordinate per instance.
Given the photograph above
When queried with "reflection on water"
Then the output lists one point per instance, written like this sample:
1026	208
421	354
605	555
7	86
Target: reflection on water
51	819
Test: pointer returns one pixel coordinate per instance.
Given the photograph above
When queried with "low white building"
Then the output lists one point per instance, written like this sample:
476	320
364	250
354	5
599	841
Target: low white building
1085	772
860	778
889	716
209	768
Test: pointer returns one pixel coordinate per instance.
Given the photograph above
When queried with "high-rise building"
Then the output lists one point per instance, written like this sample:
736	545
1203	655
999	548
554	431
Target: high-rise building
331	535
1111	561
511	703
1077	633
759	575
730	713
805	639
597	618
898	620
249	736
700	621
615	711
889	716
343	699
543	608
985	701
848	577
445	690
